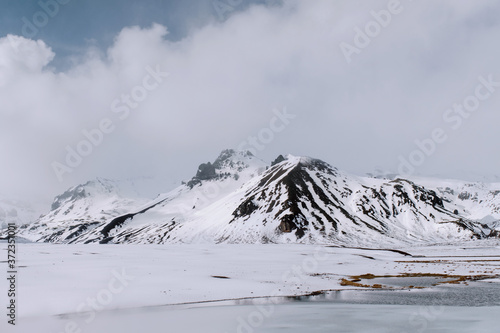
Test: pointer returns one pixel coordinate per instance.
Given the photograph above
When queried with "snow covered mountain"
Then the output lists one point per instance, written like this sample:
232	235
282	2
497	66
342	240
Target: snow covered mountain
81	208
239	198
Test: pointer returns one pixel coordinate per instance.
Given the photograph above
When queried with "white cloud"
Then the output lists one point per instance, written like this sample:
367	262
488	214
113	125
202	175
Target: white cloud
20	56
226	78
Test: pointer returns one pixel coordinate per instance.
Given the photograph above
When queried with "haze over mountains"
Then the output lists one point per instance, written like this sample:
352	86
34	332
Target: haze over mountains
241	199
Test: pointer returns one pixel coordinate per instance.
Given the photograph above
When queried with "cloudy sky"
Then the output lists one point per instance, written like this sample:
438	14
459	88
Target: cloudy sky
124	89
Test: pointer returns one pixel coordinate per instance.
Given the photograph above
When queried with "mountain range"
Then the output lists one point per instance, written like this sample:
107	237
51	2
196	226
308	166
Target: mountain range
239	198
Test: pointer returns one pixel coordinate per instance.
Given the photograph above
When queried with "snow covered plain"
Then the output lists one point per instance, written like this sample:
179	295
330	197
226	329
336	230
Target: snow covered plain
227	288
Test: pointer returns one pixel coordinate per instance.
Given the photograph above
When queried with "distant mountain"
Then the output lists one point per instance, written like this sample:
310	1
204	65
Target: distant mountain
476	201
19	211
241	199
82	208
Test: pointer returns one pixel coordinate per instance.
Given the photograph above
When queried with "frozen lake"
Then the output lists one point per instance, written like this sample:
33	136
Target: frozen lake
287	317
226	288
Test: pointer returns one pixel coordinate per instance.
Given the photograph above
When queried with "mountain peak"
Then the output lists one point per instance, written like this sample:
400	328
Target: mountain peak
278	159
229	163
307	163
94	186
231	154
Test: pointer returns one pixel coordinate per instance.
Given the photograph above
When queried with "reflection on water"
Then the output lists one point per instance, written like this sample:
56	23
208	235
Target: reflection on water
475	294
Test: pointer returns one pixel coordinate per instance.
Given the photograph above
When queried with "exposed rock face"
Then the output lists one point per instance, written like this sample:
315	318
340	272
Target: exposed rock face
278	159
206	171
74	193
225	161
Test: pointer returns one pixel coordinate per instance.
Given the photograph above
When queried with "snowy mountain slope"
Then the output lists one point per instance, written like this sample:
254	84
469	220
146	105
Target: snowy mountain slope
82	208
474	201
240	199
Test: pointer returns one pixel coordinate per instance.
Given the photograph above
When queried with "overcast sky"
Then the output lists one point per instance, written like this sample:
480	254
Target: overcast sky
354	83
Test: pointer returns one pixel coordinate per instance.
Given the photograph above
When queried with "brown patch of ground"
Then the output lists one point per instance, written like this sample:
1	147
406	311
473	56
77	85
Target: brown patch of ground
355	280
